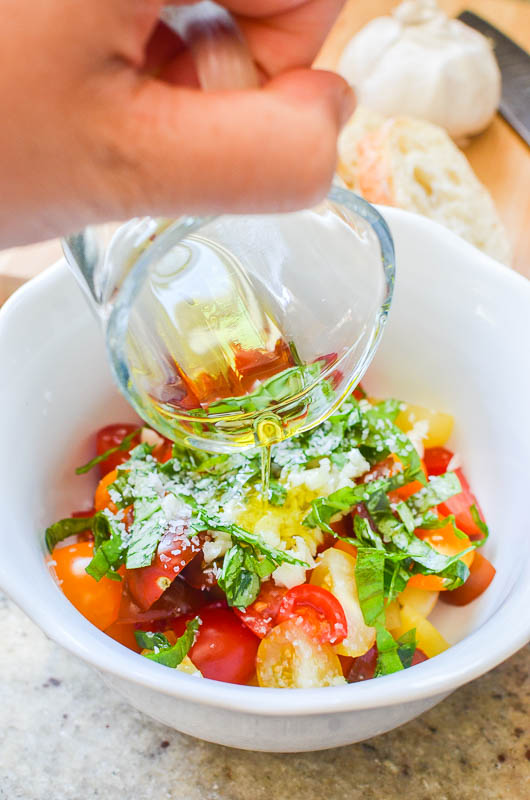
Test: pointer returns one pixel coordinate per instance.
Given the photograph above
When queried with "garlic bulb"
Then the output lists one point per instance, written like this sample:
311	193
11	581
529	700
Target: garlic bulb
421	63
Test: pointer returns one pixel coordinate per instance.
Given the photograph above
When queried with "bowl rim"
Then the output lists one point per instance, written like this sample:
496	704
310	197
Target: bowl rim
464	661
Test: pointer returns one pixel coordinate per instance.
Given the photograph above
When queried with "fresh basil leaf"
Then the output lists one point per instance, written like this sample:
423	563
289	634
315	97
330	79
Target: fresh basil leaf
388	408
148	640
369	577
388	660
123	445
204	521
481	525
146	532
407	647
108	549
238	579
66	527
406	517
277	493
173	655
439	489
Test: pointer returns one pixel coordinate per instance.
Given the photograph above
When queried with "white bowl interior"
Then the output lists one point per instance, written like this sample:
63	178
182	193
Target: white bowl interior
457	341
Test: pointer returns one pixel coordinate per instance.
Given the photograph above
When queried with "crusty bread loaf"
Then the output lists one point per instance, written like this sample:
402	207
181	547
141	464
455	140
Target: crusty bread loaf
415	165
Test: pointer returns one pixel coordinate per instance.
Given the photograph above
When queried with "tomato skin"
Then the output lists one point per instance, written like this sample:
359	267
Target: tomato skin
112	436
147	584
437	460
260	616
98	601
321	614
102	497
481	574
224	649
460	505
363	667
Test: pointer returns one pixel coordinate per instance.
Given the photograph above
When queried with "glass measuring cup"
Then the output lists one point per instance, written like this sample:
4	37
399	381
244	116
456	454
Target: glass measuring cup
235	331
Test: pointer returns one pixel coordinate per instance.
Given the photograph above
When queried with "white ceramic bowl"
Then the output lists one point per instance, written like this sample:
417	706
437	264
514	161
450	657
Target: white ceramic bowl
458	340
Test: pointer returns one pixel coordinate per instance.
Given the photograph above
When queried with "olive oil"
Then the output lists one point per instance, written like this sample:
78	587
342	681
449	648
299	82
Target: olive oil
213	368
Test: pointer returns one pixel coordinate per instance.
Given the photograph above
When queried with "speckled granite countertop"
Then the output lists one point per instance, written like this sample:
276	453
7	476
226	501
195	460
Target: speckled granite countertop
65	736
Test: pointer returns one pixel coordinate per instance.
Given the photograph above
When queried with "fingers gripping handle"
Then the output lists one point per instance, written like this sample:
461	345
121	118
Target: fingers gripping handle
222	58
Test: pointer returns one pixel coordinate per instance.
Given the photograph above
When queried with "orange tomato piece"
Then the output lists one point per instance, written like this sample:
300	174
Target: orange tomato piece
102	497
98	601
481	574
123	632
445	541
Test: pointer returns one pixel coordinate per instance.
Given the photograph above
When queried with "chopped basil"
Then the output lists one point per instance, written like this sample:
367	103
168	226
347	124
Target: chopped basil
66	527
407	647
388	660
439	489
241	574
277	493
123	445
148	640
146	532
481	525
172	655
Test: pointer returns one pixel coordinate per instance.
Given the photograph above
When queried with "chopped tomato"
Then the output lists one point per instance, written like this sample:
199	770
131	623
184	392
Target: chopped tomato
112	436
147	584
289	658
179	599
346	547
163	451
481	574
199	574
98	601
359	392
123	632
419	657
460	505
224	649
437	460
102	497
363	667
443	540
317	611
260	616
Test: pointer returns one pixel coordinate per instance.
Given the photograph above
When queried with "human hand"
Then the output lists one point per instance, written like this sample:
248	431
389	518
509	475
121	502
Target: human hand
102	120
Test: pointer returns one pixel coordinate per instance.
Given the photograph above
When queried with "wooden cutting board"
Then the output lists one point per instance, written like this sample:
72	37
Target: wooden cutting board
499	157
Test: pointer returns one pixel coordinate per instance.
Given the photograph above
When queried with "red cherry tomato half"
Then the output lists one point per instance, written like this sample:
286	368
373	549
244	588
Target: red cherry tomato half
460	505
260	617
147	584
225	649
481	574
320	612
112	436
437	460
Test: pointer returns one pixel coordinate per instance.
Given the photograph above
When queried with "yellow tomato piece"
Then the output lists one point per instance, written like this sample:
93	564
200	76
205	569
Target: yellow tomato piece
440	425
392	616
335	571
187	666
288	658
428	638
420	600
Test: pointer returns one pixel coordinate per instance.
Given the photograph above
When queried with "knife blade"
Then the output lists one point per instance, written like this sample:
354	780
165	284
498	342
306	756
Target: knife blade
514	64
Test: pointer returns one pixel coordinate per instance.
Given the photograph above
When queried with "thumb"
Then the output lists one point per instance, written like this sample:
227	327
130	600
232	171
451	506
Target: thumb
259	150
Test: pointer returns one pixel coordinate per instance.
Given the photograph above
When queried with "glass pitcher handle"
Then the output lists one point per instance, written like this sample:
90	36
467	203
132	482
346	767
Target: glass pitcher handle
219	50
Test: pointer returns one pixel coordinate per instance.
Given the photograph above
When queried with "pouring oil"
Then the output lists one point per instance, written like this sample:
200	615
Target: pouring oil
209	364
